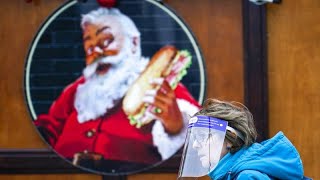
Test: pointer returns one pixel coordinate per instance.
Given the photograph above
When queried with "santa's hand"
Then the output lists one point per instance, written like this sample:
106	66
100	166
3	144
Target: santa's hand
165	106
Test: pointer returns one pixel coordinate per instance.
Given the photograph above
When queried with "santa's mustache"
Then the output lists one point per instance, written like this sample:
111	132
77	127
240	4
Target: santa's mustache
91	69
114	61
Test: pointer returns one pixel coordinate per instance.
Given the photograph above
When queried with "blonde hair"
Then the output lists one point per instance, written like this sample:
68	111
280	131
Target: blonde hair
238	117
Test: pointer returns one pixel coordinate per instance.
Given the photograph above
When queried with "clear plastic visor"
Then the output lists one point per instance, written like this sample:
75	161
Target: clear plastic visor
202	147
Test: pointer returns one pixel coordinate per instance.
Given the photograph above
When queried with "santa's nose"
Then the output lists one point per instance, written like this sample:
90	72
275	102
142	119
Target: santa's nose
93	53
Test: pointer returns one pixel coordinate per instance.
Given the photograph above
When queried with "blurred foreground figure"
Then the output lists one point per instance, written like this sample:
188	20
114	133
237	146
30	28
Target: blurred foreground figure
221	144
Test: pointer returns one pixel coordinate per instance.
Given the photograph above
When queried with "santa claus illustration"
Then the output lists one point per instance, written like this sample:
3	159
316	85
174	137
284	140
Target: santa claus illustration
87	123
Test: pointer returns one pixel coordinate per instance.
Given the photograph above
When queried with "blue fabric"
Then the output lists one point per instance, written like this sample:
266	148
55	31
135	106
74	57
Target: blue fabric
275	158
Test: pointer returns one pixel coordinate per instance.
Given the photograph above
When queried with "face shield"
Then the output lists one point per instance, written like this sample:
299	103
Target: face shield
203	146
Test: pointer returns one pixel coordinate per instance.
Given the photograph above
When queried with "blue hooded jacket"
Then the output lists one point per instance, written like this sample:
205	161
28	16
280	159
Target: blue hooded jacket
275	158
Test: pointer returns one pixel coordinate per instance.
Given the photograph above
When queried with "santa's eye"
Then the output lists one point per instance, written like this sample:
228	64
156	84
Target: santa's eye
105	43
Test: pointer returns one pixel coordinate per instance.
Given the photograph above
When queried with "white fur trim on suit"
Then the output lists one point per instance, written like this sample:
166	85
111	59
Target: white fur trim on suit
169	144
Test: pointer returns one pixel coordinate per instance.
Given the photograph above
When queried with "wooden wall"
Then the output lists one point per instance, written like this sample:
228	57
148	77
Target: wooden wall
216	24
294	77
293	62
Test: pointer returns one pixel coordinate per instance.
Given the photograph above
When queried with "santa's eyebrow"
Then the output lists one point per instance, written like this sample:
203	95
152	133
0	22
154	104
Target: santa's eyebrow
102	29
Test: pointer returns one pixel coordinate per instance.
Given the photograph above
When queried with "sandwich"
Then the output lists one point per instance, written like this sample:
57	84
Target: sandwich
168	63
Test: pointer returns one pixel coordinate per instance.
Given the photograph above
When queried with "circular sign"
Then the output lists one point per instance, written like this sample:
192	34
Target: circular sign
111	89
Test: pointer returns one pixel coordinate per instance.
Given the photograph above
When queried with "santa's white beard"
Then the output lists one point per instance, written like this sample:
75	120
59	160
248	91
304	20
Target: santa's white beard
101	93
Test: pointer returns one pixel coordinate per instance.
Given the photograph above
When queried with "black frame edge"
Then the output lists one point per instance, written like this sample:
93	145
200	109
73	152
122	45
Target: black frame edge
44	161
256	65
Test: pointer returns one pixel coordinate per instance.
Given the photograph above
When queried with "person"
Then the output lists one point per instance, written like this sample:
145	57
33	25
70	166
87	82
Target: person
230	151
86	123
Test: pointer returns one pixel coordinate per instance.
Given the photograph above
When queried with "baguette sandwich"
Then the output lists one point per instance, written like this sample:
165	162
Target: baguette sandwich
167	63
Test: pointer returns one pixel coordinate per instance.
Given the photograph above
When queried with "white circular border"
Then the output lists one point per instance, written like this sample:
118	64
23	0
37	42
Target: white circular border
71	3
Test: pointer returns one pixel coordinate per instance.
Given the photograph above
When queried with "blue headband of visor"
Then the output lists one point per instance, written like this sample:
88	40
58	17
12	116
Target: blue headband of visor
213	123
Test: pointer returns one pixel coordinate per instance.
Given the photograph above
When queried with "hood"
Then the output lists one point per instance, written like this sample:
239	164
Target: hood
276	157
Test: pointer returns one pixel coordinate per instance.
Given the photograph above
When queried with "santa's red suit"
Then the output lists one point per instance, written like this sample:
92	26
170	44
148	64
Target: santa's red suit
110	135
